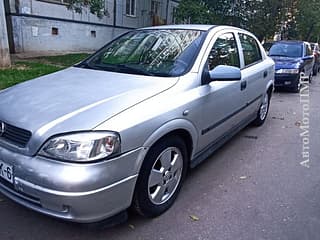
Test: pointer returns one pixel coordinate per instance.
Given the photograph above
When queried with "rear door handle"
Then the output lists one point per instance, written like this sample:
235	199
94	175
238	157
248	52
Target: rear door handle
265	74
243	85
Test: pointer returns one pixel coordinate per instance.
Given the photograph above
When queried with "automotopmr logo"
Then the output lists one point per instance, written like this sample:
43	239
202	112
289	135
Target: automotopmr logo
305	123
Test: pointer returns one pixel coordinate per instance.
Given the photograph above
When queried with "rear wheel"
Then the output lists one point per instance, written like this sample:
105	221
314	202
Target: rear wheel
296	88
263	110
160	177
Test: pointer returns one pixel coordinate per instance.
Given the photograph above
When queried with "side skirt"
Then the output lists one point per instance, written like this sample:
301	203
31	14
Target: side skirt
212	147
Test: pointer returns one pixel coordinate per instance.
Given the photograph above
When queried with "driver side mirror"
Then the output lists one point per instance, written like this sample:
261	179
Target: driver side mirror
225	73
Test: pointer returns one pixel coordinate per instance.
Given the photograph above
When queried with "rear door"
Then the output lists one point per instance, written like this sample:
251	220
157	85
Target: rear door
255	73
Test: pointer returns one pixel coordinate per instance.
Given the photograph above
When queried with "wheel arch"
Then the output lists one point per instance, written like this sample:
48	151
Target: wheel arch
177	127
270	88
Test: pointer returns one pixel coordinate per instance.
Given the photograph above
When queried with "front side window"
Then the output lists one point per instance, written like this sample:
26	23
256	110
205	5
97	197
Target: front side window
131	7
251	50
224	52
168	52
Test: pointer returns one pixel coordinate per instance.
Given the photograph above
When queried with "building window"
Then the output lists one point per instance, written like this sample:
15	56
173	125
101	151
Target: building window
93	34
54	31
131	8
155	8
174	15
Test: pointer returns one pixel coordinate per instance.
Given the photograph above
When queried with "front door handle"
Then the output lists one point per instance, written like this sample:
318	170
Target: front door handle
243	85
265	74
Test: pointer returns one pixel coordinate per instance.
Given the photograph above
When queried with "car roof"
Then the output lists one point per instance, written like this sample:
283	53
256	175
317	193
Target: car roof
201	27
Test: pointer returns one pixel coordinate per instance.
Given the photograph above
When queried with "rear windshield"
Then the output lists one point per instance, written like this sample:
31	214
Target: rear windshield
168	52
286	50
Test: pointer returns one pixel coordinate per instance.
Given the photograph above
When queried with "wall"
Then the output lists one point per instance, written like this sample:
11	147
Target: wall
33	22
35	35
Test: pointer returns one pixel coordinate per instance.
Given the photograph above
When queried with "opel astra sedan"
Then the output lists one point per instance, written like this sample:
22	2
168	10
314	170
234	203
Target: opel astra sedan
121	128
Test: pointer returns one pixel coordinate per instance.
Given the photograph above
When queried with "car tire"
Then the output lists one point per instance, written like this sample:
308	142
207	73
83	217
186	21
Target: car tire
263	111
161	177
296	89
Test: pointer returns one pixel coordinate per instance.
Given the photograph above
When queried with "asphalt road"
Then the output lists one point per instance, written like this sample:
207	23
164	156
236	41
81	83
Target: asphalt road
253	188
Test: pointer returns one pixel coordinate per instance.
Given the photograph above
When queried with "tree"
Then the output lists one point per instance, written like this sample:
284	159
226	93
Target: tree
96	7
4	45
308	20
196	12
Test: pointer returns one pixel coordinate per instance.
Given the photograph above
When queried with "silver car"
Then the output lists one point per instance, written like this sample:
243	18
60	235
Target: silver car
122	127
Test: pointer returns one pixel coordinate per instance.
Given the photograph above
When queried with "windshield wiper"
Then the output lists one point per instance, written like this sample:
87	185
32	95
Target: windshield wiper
85	65
277	55
130	69
116	68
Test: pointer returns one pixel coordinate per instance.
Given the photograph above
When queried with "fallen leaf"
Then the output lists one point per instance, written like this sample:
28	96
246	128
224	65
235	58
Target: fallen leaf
251	137
278	118
194	218
298	123
131	226
243	177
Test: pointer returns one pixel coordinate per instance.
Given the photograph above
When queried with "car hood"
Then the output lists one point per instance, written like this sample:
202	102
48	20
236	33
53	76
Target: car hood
74	99
286	62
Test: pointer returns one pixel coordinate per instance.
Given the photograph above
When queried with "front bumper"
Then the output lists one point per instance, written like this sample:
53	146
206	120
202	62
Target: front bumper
286	80
70	191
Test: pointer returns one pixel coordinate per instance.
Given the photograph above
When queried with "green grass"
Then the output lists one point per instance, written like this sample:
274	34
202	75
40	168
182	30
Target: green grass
63	60
31	68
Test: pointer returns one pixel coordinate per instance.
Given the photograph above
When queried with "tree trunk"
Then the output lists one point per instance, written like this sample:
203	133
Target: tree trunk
4	45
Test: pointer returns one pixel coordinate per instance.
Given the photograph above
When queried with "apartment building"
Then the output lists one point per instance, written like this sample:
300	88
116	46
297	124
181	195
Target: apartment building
48	25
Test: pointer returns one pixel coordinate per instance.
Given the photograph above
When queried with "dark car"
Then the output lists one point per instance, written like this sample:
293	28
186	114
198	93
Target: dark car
316	53
292	58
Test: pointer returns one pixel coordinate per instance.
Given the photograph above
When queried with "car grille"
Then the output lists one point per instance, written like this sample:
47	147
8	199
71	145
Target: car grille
15	135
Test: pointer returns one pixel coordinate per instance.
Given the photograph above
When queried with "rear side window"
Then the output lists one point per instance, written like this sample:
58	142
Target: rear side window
224	52
251	50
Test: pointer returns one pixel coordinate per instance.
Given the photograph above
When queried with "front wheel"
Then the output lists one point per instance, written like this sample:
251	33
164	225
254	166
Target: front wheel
263	111
161	176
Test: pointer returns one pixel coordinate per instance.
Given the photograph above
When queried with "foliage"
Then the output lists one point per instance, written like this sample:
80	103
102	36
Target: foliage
190	11
290	18
96	7
308	20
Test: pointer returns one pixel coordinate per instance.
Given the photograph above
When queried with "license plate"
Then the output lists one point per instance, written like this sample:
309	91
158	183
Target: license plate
6	172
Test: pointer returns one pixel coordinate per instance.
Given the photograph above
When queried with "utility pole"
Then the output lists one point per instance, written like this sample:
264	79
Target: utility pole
4	45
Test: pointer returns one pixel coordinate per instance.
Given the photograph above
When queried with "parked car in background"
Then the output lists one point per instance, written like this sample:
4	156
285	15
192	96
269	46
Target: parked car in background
121	128
316	53
291	59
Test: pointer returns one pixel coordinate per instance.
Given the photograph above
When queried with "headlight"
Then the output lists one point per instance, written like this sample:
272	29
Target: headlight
82	147
288	71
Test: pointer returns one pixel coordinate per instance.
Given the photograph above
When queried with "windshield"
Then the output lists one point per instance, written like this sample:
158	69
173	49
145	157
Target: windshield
149	52
286	50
